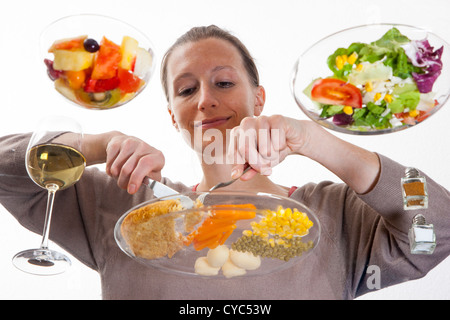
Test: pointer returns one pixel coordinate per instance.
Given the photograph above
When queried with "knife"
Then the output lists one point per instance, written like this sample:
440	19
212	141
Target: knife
159	189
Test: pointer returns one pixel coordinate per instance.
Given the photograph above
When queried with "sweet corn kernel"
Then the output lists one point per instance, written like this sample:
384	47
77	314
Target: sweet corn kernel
344	58
285	223
352	58
359	67
348	110
339	62
413	113
377	96
388	98
247	233
368	86
272	243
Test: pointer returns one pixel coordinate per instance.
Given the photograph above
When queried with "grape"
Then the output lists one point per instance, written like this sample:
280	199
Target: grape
52	73
90	45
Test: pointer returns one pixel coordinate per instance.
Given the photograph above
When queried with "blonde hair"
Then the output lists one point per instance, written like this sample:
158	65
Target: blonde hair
200	33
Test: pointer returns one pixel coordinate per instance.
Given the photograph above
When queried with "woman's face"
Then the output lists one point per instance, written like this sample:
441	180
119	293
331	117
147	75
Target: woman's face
209	88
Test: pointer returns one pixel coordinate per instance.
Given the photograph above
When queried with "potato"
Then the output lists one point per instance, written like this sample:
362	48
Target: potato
245	260
203	268
229	270
218	256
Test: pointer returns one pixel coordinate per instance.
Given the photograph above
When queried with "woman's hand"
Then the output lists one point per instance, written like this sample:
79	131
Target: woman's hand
263	142
128	159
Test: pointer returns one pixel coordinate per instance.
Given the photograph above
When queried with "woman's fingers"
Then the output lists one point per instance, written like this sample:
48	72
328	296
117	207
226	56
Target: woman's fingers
130	160
246	148
147	166
260	142
248	175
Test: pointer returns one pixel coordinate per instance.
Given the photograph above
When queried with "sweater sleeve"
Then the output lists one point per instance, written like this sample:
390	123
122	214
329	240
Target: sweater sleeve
83	215
385	237
364	242
27	202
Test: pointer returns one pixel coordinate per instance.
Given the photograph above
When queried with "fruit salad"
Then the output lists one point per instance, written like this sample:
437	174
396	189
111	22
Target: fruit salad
379	85
98	75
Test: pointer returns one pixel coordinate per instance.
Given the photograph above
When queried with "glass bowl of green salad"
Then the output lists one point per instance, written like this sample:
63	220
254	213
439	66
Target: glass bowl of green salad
373	79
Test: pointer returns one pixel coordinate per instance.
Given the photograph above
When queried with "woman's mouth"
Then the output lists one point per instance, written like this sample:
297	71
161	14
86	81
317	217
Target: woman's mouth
211	123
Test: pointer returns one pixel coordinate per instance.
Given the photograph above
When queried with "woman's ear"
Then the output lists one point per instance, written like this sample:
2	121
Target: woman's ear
260	100
172	116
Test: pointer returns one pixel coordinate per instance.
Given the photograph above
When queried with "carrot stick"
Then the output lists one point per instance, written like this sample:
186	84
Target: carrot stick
199	245
206	235
242	206
219	226
225	236
233	215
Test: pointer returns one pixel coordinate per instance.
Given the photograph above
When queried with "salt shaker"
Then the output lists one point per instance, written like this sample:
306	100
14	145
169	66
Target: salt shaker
414	189
422	239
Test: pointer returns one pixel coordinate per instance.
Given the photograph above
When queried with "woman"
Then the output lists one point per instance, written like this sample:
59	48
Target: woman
212	85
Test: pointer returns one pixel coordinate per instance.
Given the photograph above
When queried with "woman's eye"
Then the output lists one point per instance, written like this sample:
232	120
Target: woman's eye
225	84
186	92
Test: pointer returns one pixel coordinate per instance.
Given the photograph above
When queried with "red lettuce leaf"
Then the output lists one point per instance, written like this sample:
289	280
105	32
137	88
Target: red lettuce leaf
423	55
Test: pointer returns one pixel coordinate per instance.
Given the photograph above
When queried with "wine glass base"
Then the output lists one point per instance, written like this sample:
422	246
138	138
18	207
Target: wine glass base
42	262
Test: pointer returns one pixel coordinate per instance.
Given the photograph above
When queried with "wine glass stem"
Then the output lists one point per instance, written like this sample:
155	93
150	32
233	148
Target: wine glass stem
48	214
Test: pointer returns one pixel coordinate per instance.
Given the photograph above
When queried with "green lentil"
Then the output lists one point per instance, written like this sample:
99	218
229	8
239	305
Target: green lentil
274	249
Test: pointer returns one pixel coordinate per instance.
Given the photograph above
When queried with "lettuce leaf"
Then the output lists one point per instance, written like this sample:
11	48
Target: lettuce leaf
423	56
409	99
388	48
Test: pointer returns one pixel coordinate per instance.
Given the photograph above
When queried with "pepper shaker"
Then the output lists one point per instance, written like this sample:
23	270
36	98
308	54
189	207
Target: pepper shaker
422	239
414	190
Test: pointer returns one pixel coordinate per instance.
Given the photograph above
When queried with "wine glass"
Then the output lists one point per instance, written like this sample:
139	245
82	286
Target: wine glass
54	162
95	61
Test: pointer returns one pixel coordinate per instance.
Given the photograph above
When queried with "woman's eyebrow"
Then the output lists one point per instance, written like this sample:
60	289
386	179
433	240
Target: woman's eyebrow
218	68
182	76
215	69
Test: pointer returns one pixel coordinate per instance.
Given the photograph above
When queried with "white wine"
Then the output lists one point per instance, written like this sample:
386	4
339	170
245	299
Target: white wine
55	164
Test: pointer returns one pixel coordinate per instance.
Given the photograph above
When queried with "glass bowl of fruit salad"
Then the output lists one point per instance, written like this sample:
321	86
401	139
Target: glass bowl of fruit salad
373	79
95	61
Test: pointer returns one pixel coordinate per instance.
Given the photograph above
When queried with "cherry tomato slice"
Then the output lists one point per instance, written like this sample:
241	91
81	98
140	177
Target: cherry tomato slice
101	85
336	92
128	81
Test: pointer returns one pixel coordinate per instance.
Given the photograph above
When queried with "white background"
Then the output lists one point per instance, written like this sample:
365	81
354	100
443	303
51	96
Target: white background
276	32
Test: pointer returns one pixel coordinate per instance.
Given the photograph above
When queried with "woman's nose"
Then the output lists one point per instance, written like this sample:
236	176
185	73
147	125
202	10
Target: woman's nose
207	98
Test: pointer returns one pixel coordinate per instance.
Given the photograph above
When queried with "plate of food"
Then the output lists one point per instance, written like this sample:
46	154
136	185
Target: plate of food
96	62
373	79
227	235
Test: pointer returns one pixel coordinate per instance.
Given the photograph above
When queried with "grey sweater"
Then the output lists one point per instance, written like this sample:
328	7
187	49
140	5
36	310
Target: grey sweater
359	232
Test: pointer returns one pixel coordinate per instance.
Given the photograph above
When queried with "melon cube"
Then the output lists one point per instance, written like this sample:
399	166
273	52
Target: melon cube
128	49
67	60
144	60
76	43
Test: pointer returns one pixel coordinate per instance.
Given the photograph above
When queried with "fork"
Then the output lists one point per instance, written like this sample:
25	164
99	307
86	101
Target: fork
202	197
186	202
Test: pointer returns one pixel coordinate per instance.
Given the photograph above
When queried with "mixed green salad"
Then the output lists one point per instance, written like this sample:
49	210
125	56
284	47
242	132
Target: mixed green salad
379	85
